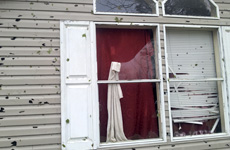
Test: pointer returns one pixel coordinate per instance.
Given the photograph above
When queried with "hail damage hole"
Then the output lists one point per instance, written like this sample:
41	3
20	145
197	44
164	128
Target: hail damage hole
1	24
21	112
7	97
17	20
19	15
133	149
173	145
0	46
2	109
43	44
51	16
13	38
35	127
1	118
46	102
13	58
30	101
75	5
2	58
14	143
9	138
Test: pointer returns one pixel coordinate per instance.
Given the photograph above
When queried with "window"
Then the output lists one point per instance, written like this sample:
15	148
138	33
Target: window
196	83
195	8
126	7
112	86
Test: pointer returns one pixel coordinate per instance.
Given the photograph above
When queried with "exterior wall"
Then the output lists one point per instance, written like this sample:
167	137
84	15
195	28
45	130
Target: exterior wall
30	70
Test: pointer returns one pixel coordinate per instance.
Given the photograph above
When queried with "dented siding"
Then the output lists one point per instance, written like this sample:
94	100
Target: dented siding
30	70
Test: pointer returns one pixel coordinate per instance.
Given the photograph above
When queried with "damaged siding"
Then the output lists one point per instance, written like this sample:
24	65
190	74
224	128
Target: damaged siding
30	70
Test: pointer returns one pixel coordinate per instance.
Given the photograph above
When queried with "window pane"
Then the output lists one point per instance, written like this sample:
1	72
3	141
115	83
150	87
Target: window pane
191	54
138	107
190	8
126	6
133	48
195	108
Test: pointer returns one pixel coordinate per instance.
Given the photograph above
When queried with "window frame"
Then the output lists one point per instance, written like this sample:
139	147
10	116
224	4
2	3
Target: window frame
221	55
134	143
125	14
187	16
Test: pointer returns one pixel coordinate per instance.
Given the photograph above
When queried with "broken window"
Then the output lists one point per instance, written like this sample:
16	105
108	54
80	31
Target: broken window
195	82
129	84
127	6
204	8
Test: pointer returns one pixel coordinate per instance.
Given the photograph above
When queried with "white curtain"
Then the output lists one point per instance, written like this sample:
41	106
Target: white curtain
115	131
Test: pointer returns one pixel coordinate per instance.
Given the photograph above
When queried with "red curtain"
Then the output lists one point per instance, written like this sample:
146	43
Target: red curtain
134	50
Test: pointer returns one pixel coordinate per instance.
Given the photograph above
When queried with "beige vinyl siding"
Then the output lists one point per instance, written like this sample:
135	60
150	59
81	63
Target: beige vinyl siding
30	70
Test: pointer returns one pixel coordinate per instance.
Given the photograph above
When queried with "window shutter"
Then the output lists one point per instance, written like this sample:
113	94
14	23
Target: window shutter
226	44
76	73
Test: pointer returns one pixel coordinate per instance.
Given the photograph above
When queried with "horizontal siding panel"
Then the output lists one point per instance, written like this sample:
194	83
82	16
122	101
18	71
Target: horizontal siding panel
29	80
29	130
110	18
45	147
32	24
39	6
222	1
29	42
30	140
44	33
28	90
29	51
224	6
29	61
30	100
30	70
59	1
30	120
199	145
29	110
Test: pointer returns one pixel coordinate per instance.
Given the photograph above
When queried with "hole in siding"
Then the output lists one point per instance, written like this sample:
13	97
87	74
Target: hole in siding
14	143
21	111
51	16
30	101
0	46
1	24
2	109
35	127
19	15
2	59
46	102
13	58
17	20
187	21
7	97
13	38
1	118
43	44
209	145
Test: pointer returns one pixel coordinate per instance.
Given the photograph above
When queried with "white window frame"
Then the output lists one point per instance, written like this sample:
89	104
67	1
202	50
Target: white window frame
226	117
125	14
134	143
187	16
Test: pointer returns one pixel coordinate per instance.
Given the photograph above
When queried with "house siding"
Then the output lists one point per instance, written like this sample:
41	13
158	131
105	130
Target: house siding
30	70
